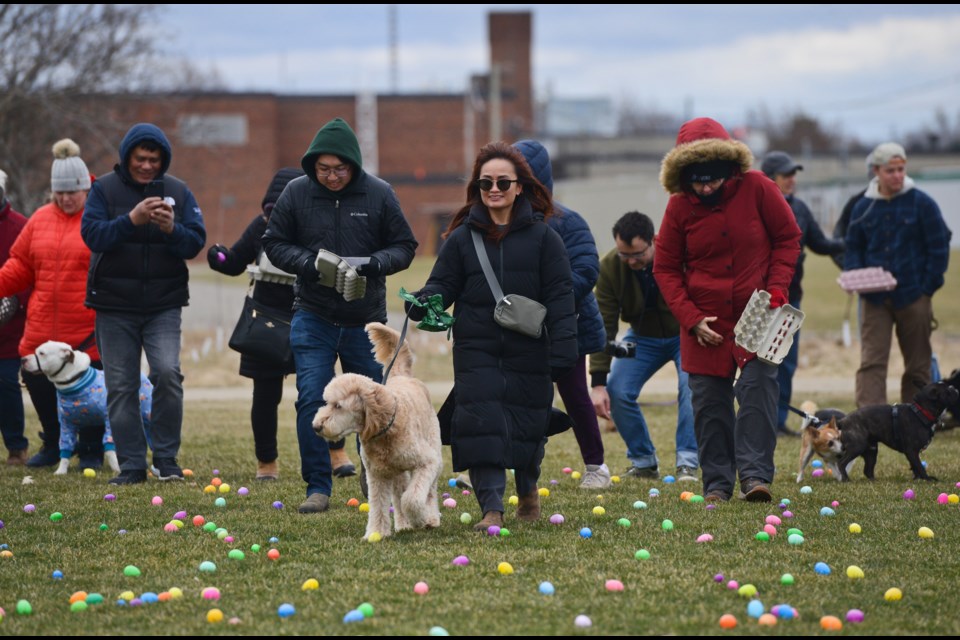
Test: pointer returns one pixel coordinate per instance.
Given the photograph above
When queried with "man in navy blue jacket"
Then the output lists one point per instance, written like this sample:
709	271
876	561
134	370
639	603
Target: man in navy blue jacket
141	225
900	228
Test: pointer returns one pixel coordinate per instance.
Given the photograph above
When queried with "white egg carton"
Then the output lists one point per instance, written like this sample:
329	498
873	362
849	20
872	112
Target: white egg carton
338	273
767	332
265	271
867	280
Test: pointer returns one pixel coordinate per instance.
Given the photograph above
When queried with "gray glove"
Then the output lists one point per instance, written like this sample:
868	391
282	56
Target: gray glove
8	308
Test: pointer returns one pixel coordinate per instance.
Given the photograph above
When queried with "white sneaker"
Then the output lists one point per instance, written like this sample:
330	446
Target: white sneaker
686	474
597	476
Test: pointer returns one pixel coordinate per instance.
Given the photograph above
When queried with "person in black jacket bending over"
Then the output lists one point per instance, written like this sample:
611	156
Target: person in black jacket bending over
780	167
341	208
277	298
503	379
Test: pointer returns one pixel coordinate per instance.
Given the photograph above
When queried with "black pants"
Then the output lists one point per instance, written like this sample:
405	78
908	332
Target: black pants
489	483
267	394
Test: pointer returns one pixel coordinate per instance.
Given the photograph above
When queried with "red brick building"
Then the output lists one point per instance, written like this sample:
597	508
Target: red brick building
227	146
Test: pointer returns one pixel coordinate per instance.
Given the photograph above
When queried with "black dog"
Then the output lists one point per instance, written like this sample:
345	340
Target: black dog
954	408
907	428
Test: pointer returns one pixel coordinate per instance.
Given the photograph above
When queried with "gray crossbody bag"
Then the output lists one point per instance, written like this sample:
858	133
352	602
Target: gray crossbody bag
515	312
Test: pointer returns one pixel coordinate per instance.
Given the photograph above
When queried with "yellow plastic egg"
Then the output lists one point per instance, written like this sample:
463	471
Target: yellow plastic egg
505	568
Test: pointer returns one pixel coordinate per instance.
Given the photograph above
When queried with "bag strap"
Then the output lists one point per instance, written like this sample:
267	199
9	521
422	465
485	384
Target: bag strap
486	266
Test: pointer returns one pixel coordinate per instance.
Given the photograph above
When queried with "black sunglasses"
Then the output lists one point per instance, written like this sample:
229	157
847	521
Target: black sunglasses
486	184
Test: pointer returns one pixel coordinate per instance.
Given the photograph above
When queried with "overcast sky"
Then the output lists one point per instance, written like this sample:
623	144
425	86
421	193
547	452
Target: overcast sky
874	71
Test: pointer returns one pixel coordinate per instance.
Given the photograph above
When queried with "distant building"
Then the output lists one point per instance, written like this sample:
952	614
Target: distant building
579	117
228	145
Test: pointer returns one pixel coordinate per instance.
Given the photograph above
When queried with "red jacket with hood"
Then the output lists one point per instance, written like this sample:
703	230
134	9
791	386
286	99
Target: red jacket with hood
51	256
711	258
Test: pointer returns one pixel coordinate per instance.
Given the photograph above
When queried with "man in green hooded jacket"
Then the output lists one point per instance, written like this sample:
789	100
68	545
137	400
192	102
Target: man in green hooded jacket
340	208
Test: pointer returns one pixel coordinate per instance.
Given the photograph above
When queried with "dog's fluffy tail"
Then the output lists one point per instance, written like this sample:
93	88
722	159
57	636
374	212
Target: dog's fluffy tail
385	341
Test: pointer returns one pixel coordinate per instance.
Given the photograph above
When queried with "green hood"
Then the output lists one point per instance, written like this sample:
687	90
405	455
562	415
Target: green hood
335	137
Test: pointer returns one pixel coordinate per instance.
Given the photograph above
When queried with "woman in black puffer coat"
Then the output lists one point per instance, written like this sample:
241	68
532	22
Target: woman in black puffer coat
278	297
503	379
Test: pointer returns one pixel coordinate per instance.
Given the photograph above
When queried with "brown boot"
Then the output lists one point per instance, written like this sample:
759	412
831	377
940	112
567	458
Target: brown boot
268	470
340	461
17	458
529	509
490	518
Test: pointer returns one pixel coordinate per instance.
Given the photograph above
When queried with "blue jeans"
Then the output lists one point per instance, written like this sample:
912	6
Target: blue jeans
11	405
316	345
785	374
121	337
627	377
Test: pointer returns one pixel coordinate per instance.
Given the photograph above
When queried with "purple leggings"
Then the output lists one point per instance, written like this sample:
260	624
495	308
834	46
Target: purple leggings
576	398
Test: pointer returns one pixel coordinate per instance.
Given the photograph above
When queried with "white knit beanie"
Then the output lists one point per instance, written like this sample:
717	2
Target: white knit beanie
884	153
68	173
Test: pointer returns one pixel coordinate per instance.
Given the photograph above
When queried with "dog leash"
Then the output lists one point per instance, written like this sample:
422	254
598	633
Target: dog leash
814	420
403	334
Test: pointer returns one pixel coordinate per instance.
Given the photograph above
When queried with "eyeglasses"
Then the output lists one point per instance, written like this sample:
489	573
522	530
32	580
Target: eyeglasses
633	256
341	172
486	184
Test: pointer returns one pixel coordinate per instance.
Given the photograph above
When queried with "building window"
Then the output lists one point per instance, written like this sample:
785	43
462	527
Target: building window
222	129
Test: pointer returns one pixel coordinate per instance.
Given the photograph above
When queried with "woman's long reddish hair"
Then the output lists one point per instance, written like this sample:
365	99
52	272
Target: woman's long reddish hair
537	194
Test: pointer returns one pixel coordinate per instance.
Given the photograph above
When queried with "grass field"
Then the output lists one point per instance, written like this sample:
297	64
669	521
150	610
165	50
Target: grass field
672	592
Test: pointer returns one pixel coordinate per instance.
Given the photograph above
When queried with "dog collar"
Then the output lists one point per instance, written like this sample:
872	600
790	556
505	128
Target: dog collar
926	414
393	419
78	382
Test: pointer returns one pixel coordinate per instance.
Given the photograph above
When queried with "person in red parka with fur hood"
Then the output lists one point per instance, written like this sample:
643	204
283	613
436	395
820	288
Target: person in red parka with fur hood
50	256
726	231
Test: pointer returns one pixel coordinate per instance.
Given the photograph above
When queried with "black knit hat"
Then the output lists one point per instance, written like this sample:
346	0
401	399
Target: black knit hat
707	171
277	184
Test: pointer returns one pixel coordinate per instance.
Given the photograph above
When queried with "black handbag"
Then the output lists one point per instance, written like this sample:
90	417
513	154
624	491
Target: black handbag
262	333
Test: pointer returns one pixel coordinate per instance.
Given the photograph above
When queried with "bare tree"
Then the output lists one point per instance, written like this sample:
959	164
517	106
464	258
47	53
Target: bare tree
57	62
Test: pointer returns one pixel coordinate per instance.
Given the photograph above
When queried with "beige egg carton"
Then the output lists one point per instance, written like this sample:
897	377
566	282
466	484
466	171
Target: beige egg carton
265	271
767	332
867	280
338	273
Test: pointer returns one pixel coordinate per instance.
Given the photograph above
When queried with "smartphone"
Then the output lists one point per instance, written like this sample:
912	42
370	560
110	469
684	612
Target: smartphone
154	189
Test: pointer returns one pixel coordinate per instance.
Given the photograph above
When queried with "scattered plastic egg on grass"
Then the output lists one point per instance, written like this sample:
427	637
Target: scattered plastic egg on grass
786	579
733	585
654	492
210	593
642	554
817	473
835	504
925	532
755	609
767	620
613	585
892	594
505	568
599	511
29	508
747	591
639	504
805	489
854	528
822	568
669	479
354	615
364	507
310	584
56	516
438	631
224	488
582	621
278	505
89	473
450	503
131	571
466	518
6	553
788	514
773	520
214	616
286	610
567	470
827	511
366	609
274	554
854	572
546	589
943	498
615	479
156	501
493	530
718	578
795	539
556	518
452	483
513	501
667	525
705	537
207	567
831	623
576	475
220	502
170	527
586	533
375	537
953	498
625	523
273	540
460	561
909	494
762	536
242	491
353	502
236	554
855	616
544	492
109	497
784	612
57	574
728	621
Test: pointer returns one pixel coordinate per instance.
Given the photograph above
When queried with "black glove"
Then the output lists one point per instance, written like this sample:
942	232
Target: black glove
8	308
308	271
216	256
416	313
371	269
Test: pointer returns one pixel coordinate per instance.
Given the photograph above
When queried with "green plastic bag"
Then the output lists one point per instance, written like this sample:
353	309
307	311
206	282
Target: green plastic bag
435	319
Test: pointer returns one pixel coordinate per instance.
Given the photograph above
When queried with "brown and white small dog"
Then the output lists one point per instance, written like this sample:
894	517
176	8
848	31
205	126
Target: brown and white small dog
821	436
399	436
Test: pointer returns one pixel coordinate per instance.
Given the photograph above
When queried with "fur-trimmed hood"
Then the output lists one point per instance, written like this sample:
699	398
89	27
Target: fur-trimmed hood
701	140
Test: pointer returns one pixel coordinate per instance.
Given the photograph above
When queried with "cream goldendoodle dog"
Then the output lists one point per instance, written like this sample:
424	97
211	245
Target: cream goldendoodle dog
399	436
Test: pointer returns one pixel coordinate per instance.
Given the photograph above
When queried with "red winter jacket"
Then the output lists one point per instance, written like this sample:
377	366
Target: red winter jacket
11	224
711	258
51	256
